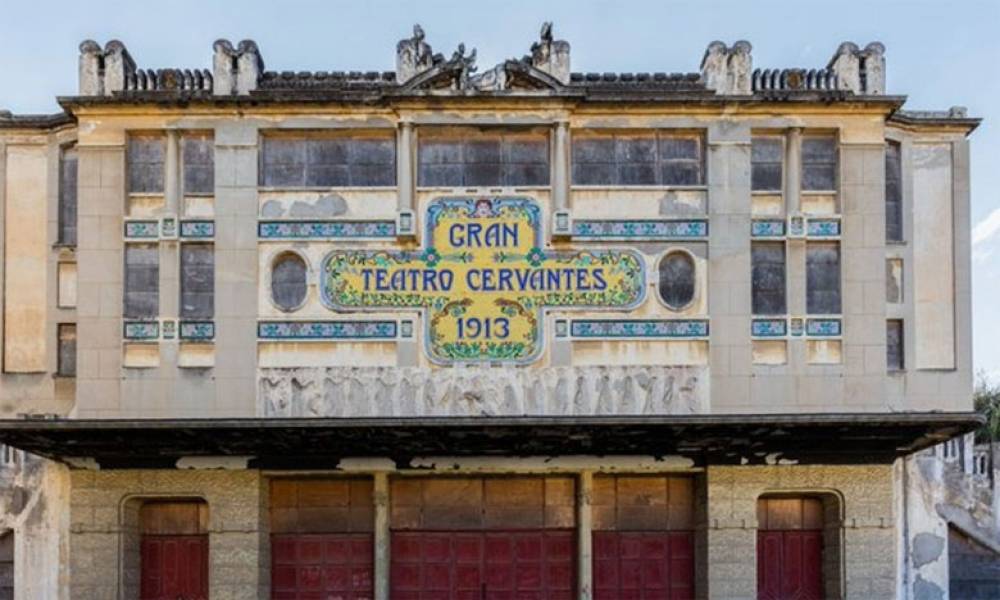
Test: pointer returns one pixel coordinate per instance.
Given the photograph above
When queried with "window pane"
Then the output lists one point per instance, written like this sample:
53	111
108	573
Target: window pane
283	162
768	278
198	156
677	280
329	162
142	281
67	196
819	163
145	164
66	359
893	194
288	282
637	159
766	159
823	278
482	160
894	344
197	281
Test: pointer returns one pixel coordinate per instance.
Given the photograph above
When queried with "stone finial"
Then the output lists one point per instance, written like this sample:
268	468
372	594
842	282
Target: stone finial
728	70
550	55
873	66
91	82
414	56
860	71
118	67
236	70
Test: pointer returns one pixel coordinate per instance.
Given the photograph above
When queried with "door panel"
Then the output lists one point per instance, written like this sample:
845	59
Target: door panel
643	565
311	566
174	567
483	565
790	565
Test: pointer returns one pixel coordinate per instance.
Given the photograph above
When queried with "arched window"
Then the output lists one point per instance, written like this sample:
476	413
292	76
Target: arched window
288	281
677	280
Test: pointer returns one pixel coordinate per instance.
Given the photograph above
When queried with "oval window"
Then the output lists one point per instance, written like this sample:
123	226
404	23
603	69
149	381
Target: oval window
677	280
288	281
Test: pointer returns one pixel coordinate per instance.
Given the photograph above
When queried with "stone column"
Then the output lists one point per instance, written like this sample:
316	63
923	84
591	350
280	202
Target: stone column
560	167
584	535
236	257
793	169
728	170
169	250
405	174
382	536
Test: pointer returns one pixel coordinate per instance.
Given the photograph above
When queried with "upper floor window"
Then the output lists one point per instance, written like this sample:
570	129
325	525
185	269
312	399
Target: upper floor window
66	356
67	196
142	281
766	162
894	344
289	280
768	278
145	155
653	158
893	193
328	160
197	281
198	160
823	278
483	158
677	279
819	163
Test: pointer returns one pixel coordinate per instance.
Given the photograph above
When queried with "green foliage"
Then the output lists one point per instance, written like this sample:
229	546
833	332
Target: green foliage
987	403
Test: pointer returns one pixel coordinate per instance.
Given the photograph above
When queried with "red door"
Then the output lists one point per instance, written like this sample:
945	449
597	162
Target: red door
483	565
174	567
789	564
643	565
326	566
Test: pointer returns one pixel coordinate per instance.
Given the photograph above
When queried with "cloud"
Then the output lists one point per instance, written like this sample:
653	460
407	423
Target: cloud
987	228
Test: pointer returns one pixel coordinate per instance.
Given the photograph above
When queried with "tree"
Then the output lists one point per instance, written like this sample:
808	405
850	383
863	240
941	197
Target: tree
987	403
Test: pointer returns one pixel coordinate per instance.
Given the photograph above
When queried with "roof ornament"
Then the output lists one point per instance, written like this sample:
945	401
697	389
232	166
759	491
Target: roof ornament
550	55
728	70
860	71
236	70
414	56
104	72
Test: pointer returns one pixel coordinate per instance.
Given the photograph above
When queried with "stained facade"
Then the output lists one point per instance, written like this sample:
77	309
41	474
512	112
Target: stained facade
443	332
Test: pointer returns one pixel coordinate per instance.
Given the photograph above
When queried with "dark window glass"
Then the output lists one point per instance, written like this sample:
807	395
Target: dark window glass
637	159
768	278
67	196
197	281
819	163
893	193
142	281
66	365
823	278
484	160
145	164
328	162
894	344
198	156
677	280
288	282
766	159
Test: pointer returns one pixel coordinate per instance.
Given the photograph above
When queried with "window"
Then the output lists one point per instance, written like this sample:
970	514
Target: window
893	193
145	164
67	196
637	159
768	278
66	360
288	281
823	278
197	281
677	280
766	159
331	161
482	159
198	159
819	163
142	281
894	344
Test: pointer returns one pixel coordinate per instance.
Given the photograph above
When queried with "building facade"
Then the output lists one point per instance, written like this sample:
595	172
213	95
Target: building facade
517	333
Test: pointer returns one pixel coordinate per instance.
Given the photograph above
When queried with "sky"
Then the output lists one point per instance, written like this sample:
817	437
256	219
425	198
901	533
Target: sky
939	53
